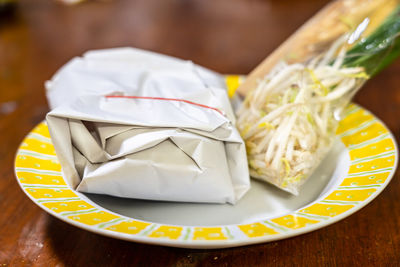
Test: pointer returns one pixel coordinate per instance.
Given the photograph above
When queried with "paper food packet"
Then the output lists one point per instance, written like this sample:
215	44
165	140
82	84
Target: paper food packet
135	124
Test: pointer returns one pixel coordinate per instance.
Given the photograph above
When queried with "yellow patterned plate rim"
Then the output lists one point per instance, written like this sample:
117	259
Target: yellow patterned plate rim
372	150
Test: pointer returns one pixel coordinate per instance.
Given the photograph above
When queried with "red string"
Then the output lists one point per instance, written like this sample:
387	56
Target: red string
163	98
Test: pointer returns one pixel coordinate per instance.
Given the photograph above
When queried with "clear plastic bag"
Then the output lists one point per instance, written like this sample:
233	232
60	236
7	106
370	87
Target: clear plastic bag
289	119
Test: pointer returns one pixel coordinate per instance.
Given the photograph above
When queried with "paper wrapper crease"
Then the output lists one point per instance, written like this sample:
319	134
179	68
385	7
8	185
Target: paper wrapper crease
166	134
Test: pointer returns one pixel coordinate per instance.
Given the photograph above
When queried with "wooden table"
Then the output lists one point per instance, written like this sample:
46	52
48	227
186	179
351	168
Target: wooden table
229	36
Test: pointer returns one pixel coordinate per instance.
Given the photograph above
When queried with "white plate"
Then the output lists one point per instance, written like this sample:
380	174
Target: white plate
359	167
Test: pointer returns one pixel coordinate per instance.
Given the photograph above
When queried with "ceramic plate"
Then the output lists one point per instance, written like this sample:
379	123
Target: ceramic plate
358	168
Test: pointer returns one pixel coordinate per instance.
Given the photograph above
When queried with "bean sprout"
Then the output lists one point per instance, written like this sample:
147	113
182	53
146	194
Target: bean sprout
288	122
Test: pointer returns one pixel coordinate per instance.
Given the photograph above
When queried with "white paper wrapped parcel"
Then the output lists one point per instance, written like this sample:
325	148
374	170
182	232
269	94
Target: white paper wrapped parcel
174	141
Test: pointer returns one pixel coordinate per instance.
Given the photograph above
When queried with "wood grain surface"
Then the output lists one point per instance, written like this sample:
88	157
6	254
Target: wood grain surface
229	36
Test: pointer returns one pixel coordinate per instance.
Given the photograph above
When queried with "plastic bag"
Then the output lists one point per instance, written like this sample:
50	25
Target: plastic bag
289	119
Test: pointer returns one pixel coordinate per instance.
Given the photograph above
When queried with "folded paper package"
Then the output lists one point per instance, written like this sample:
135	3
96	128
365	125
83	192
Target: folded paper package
135	124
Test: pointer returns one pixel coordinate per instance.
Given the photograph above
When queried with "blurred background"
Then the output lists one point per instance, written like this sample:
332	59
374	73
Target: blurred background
229	36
